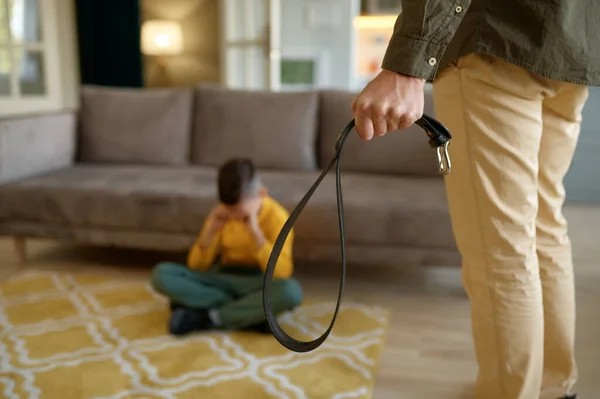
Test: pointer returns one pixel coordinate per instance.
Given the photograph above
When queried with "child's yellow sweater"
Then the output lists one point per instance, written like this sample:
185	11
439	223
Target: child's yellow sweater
236	245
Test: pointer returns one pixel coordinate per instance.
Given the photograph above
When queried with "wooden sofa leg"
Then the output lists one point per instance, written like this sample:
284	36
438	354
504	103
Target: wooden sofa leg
20	249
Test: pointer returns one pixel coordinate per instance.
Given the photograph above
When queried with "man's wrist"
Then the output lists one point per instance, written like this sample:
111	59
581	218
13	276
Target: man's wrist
405	76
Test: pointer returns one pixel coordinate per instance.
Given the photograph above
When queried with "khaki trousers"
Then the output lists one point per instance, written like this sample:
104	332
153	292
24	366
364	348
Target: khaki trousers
514	138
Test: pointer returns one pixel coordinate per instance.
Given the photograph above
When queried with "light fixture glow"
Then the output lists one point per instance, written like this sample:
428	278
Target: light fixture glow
161	38
162	41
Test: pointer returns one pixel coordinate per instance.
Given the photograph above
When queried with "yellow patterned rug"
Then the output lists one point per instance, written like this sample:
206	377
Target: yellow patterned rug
70	336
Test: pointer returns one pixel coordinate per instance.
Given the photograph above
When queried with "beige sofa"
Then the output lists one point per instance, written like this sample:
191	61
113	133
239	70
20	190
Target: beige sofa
136	168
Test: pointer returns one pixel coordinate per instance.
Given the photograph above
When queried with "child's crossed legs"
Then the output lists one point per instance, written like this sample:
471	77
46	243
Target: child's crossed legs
232	294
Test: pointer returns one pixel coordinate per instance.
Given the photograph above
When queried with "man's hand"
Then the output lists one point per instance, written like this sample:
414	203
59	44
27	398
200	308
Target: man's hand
389	102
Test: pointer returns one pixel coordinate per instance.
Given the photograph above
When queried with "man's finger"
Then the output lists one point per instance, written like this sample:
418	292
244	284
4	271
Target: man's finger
393	118
406	122
380	127
364	126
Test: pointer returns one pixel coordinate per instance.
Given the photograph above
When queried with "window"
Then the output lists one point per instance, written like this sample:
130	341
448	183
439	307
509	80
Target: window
37	57
250	35
22	53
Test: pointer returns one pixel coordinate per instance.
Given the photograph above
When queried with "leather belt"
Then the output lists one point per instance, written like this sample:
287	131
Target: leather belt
439	138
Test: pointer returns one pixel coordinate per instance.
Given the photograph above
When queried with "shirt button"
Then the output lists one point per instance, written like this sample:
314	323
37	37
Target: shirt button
458	9
432	61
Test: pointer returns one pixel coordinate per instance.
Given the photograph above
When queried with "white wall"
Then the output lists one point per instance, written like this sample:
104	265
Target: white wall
323	27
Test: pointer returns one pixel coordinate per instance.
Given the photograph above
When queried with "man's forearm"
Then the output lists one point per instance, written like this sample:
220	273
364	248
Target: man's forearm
421	34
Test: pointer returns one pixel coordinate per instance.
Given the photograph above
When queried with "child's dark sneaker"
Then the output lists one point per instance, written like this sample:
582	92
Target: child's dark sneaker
185	320
262	328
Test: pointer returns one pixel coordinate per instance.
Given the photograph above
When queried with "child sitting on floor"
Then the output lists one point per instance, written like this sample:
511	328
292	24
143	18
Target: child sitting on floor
240	232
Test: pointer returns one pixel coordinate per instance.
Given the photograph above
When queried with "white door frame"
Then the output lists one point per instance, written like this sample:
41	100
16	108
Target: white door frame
274	45
268	42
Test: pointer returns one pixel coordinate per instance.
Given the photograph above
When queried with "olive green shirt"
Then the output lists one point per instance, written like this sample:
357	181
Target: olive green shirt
558	39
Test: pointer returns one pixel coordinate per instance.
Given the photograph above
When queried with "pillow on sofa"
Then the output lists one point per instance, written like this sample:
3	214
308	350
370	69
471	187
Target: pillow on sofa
275	129
403	152
141	126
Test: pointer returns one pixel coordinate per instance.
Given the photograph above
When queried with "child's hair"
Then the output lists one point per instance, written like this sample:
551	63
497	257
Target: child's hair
238	179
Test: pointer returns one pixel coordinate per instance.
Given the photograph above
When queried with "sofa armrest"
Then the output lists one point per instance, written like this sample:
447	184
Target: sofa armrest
36	144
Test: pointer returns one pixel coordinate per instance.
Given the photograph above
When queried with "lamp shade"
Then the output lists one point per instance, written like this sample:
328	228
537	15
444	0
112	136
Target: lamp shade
161	38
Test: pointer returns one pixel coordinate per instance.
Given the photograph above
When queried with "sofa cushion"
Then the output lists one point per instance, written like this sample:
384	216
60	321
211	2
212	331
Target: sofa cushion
135	126
379	210
277	130
402	152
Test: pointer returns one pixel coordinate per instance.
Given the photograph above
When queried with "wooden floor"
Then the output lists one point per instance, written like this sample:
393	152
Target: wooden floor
429	351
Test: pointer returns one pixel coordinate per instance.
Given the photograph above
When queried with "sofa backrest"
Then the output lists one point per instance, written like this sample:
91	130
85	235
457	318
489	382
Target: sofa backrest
277	130
209	124
404	152
137	126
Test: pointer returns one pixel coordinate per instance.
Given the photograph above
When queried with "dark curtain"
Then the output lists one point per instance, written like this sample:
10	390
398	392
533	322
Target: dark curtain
109	42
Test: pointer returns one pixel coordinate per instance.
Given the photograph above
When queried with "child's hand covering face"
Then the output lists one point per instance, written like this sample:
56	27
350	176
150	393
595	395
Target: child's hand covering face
218	217
246	209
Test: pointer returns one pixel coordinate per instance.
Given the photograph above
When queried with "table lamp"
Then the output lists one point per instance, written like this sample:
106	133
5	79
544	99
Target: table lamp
160	39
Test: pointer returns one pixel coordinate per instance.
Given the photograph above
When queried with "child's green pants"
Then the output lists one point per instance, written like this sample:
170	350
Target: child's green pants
235	292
